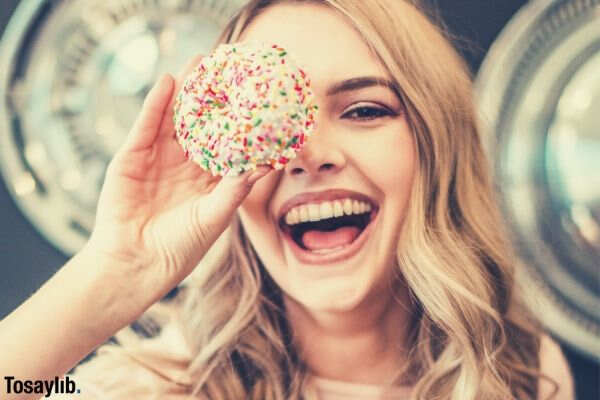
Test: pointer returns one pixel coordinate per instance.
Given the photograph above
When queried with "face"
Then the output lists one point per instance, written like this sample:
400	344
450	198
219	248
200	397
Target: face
360	159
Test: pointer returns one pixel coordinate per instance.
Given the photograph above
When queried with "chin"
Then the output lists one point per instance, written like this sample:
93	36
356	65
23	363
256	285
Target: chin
342	295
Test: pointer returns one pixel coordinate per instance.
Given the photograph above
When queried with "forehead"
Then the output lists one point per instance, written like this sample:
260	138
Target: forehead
322	41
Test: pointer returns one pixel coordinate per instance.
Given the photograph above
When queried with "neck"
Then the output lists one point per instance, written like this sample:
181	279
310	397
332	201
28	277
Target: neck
363	345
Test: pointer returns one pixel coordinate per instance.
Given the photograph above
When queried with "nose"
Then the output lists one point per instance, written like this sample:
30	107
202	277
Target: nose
321	154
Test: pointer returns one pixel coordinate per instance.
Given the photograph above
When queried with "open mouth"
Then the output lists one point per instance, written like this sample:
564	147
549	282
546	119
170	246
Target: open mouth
325	234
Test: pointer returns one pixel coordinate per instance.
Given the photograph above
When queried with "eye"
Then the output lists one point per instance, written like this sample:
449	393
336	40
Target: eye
365	113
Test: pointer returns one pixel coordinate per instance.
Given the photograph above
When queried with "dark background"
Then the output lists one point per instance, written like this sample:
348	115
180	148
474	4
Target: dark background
27	260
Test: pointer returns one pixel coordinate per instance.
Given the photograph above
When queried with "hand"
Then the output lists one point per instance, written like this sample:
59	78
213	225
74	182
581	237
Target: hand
158	211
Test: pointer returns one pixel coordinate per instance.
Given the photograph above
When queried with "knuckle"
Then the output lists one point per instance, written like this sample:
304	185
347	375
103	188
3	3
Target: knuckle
241	194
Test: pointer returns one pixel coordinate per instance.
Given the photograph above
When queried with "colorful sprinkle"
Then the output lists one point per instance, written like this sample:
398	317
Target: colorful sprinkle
249	104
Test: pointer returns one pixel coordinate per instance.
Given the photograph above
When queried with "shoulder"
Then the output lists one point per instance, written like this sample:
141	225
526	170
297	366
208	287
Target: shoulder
554	365
150	368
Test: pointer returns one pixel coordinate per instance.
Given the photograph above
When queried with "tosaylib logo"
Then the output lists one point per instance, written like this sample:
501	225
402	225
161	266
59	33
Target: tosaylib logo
66	385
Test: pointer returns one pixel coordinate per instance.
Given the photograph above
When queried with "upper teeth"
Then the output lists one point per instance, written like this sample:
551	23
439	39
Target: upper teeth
327	209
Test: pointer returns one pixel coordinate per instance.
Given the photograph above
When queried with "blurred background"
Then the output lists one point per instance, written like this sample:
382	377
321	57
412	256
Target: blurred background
73	74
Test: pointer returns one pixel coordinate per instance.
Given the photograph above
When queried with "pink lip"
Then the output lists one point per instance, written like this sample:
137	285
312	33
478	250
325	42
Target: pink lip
326	195
307	257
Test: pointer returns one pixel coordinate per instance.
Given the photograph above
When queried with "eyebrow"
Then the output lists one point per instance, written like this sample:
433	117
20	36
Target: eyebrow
360	83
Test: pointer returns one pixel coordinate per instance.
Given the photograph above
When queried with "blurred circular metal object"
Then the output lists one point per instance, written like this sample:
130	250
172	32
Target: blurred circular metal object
539	95
73	75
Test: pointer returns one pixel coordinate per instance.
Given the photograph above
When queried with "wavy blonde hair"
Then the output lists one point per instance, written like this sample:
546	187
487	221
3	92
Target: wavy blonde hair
471	338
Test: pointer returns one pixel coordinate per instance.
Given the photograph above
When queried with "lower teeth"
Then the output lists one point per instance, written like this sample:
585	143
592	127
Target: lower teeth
327	251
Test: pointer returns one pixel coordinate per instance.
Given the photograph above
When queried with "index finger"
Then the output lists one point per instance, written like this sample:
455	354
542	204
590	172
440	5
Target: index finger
151	116
155	120
167	129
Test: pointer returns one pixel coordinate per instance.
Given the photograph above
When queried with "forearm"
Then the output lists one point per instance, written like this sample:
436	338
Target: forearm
79	308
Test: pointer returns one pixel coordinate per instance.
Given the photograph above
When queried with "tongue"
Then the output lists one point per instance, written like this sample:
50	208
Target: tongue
316	240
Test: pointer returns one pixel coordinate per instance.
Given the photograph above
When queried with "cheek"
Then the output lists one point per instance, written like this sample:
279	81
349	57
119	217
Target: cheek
388	159
390	165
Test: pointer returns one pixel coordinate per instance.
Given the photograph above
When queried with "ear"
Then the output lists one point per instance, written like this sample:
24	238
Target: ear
554	365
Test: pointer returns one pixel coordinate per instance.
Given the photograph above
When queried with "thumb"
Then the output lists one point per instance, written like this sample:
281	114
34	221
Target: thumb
214	211
231	191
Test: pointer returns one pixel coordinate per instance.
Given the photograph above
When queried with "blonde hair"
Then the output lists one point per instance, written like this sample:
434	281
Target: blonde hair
471	337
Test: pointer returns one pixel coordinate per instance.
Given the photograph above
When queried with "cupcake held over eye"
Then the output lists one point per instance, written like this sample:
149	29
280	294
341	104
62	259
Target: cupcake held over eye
245	105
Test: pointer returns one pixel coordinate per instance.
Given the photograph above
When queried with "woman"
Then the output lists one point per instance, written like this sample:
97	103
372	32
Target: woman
418	300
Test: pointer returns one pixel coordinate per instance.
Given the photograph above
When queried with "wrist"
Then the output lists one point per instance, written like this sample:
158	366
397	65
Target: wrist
122	282
85	303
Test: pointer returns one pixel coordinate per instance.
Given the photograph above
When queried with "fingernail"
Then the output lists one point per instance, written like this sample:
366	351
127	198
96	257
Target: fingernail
259	173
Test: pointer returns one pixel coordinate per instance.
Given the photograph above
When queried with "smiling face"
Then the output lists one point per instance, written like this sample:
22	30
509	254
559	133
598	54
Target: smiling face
359	162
